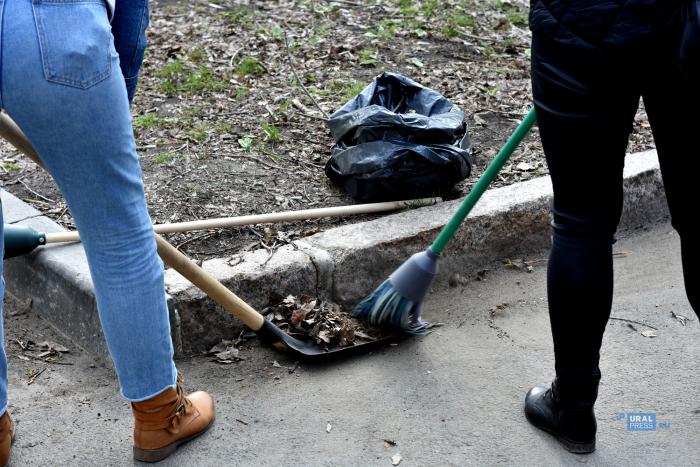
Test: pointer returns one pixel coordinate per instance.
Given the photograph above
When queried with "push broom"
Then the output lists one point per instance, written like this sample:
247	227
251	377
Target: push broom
396	303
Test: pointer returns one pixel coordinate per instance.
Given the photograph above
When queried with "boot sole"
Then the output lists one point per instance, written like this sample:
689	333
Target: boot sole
156	455
575	447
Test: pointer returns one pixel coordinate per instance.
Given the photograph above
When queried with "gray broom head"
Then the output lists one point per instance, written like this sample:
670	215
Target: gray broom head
397	302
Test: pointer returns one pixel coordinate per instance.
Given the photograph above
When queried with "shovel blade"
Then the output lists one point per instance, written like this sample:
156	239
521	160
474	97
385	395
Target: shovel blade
308	349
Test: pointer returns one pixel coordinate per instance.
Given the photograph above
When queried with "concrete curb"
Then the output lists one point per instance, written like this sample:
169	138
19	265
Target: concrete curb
341	264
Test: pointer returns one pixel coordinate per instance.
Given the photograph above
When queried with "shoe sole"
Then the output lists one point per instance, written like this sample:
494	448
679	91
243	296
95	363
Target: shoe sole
574	447
156	455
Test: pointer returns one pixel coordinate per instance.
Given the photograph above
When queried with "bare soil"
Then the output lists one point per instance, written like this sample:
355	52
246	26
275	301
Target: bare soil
224	128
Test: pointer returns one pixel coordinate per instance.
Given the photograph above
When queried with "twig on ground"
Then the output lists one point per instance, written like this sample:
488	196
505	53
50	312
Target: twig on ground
35	376
35	193
294	71
346	2
192	239
633	321
307	115
180	175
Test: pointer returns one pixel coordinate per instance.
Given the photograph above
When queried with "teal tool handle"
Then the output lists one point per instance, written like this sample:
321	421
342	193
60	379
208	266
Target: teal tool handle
20	240
449	231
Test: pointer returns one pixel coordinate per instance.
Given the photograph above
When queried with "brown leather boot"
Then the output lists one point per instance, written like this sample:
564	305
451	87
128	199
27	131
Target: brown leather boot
168	420
7	434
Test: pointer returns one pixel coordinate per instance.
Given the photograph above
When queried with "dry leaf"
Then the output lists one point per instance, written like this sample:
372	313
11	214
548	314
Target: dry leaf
681	318
52	346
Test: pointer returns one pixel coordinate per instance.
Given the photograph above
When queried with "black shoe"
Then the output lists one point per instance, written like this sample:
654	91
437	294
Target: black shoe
572	422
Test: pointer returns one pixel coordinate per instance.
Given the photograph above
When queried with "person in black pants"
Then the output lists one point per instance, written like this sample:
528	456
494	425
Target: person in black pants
592	60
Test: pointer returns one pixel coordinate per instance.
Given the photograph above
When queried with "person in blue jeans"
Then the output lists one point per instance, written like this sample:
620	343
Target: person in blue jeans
129	24
61	81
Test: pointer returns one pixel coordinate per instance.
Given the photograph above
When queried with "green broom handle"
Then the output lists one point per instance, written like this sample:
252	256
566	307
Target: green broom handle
483	183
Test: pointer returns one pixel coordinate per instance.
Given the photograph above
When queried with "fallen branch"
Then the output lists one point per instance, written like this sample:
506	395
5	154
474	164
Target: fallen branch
294	71
35	193
635	322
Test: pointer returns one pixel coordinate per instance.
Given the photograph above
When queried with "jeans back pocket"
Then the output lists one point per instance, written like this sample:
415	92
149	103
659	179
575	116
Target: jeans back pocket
75	40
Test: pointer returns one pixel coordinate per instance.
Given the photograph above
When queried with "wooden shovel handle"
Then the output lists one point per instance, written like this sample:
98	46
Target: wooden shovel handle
11	132
269	218
209	285
170	255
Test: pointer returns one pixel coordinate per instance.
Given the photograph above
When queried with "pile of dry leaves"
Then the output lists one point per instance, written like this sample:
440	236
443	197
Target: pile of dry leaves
49	352
326	322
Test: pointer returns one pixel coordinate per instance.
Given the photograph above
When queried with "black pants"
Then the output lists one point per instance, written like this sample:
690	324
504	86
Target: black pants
586	103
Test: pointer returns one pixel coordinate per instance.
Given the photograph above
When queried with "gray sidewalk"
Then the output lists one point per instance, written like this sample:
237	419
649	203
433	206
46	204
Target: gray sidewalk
451	398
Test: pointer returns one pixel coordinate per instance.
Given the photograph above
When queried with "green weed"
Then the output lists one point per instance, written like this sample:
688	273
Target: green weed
367	56
271	132
250	66
148	120
164	157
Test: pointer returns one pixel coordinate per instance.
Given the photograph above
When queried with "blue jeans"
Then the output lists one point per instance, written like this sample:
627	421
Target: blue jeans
60	80
129	29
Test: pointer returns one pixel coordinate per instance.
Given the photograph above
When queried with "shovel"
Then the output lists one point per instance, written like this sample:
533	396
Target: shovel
268	332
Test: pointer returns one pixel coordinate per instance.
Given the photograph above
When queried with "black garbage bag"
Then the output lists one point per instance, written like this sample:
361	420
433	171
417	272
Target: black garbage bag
398	140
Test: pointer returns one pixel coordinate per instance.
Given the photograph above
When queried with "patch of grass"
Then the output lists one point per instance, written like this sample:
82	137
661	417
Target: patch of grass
222	127
172	70
250	66
164	157
198	134
169	75
323	31
428	8
367	56
322	92
241	91
284	105
203	79
198	56
239	14
449	32
176	77
201	131
346	90
518	19
276	32
148	120
271	132
10	166
385	31
465	21
514	14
